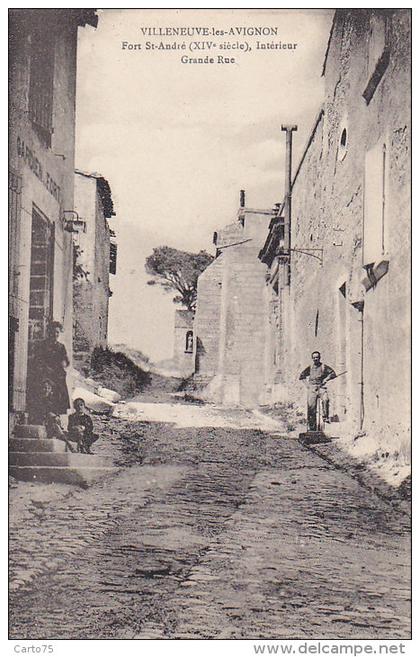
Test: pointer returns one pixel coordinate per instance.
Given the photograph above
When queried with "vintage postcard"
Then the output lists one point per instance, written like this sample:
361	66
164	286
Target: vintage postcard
209	326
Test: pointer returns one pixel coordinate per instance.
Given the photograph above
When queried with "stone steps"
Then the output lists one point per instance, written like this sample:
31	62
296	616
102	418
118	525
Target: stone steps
36	445
34	457
80	476
60	459
313	438
30	431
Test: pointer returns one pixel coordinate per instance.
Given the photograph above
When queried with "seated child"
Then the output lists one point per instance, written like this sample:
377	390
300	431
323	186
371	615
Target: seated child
43	402
80	427
55	430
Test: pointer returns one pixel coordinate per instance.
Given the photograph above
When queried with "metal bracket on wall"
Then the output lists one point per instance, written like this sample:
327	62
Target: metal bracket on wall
75	224
307	252
225	246
271	213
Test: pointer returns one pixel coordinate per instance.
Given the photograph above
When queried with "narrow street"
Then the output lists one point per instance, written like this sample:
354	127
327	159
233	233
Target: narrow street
204	287
210	533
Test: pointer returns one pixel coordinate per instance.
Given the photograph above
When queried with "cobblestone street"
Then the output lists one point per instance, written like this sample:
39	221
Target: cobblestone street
210	533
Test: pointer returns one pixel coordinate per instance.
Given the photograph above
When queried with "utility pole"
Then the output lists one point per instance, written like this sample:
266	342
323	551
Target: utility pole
288	129
283	260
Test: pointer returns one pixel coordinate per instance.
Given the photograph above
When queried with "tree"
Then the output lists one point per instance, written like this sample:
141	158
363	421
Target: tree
177	270
79	272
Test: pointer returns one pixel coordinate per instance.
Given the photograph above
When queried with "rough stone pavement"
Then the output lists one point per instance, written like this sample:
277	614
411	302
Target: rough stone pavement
211	533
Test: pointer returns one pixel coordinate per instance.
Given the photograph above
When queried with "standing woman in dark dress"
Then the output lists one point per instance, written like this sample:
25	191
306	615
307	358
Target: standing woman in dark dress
51	363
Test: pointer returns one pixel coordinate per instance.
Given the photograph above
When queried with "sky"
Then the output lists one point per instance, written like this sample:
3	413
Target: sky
178	141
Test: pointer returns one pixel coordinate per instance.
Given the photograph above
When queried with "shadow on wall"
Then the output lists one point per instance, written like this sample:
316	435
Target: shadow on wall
199	351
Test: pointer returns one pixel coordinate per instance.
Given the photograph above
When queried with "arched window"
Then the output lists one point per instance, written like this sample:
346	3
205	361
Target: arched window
343	140
189	342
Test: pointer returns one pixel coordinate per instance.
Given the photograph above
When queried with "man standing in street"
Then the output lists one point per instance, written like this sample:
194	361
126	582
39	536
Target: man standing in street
317	376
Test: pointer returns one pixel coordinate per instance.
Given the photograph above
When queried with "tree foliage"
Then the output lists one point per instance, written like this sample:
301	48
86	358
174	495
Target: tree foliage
79	272
179	271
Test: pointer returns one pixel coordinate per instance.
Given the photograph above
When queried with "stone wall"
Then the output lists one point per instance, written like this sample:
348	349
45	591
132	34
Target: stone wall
41	180
230	319
207	320
351	200
184	342
91	293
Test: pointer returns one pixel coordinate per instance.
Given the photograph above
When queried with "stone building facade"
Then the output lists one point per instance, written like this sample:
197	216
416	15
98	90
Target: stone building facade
348	289
42	92
95	258
183	359
229	323
333	273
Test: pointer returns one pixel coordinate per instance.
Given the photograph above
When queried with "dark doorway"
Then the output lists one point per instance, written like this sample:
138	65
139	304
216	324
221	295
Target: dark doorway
13	329
41	281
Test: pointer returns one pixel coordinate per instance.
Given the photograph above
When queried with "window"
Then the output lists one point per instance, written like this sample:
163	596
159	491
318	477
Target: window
342	146
343	139
189	342
41	84
374	224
